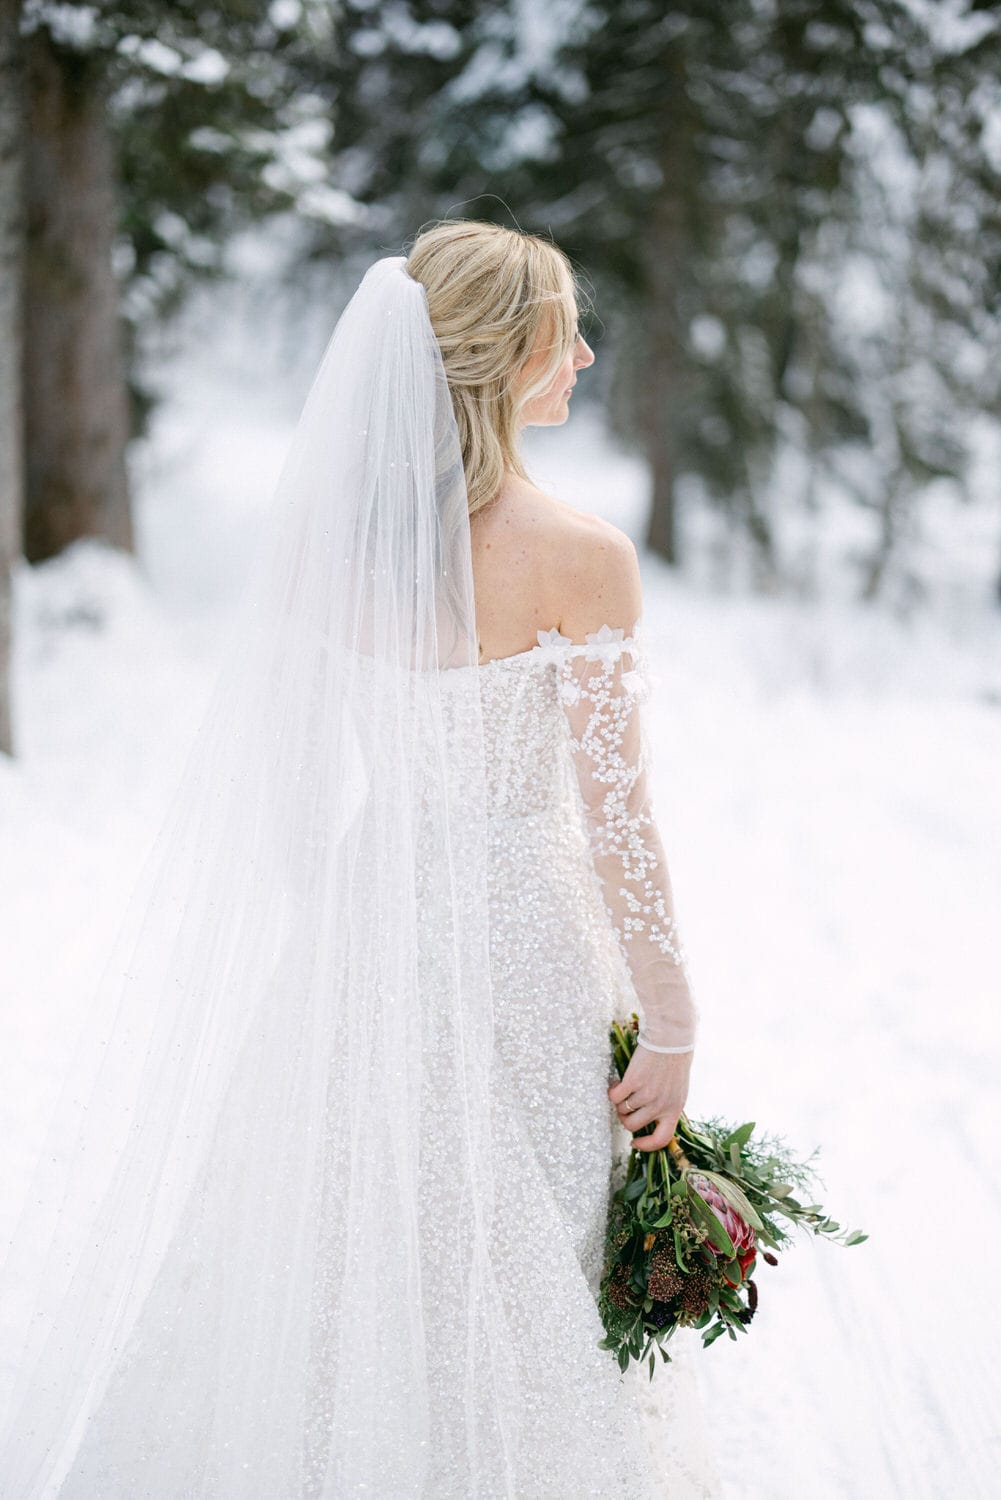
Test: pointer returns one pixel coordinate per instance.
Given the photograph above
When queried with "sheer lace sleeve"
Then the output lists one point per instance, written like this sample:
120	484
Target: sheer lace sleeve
603	683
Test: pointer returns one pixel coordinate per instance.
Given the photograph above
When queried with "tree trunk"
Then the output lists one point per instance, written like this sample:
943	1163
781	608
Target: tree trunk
664	254
11	241
661	370
878	561
76	404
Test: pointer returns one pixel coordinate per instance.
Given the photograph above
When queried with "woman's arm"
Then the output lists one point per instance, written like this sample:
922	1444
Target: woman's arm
603	685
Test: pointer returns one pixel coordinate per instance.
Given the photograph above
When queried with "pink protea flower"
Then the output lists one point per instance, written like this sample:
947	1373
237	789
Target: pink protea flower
740	1232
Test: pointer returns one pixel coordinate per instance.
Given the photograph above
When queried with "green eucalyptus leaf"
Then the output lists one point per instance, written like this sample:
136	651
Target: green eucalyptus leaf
686	1130
740	1136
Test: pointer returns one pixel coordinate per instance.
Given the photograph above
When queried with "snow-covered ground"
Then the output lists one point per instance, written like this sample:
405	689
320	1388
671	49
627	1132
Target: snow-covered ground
829	790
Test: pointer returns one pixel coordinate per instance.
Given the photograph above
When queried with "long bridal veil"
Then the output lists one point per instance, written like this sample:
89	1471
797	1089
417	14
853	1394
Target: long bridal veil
269	1176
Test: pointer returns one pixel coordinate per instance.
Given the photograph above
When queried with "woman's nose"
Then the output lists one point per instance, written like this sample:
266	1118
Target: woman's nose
584	356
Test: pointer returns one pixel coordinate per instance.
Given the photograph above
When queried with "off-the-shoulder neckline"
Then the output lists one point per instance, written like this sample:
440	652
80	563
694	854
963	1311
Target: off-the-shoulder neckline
552	642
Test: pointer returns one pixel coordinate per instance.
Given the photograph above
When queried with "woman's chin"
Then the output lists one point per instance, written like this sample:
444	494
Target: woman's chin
559	413
554	417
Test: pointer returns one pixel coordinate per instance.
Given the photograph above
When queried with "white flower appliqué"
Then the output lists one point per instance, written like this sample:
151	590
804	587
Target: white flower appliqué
552	645
602	693
607	645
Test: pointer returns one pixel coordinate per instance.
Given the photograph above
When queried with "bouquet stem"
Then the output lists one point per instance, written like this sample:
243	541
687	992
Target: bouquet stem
681	1161
622	1051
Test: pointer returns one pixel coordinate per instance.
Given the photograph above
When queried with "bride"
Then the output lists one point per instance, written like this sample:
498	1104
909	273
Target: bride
322	1209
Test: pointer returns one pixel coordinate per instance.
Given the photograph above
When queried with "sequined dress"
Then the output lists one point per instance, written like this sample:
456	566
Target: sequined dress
581	927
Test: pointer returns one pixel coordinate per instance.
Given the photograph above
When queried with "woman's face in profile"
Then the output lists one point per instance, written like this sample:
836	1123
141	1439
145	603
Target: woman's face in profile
552	406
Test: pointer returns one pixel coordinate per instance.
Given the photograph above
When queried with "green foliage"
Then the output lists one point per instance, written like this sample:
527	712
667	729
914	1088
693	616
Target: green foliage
696	1276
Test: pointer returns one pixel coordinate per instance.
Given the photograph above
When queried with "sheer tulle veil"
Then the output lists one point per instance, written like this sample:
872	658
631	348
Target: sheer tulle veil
224	1281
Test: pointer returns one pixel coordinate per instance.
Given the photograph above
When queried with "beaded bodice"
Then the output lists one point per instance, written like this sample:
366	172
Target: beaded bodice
525	733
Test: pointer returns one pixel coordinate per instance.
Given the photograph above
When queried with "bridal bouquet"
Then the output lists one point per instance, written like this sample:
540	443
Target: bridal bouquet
685	1228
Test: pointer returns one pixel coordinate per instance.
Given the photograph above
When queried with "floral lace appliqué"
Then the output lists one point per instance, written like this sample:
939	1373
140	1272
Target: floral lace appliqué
602	682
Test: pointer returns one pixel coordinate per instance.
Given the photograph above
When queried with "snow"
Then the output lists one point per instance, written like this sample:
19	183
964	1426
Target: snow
828	791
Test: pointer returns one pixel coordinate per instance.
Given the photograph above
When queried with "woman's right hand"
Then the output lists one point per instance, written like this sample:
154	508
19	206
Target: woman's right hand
653	1087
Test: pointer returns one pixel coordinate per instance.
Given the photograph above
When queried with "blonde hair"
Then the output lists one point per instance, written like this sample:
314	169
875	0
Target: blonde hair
497	298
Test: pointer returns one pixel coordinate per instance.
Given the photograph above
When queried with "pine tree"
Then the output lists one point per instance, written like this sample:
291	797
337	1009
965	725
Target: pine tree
75	404
152	131
955	227
10	342
398	83
709	151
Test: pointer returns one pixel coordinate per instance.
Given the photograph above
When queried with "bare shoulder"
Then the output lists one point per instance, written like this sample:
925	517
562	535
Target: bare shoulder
539	562
594	573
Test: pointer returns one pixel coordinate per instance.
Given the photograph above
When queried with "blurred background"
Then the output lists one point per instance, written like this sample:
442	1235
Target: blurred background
787	223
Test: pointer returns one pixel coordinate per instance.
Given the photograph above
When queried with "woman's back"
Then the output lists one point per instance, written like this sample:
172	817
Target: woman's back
539	564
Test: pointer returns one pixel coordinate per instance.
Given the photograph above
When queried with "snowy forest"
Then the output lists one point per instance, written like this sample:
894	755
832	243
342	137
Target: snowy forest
789	214
787	220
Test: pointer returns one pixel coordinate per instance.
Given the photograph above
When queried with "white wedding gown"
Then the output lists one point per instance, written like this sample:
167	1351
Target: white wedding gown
577	882
577	865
